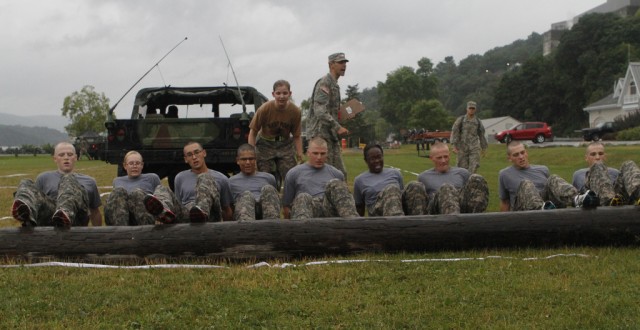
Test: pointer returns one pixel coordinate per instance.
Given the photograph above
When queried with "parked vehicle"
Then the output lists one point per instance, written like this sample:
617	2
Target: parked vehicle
599	131
164	119
538	132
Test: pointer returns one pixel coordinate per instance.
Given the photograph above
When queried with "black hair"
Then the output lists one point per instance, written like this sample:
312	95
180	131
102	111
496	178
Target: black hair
369	147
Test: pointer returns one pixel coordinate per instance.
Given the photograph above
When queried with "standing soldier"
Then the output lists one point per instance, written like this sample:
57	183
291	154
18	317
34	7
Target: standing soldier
276	133
468	140
323	113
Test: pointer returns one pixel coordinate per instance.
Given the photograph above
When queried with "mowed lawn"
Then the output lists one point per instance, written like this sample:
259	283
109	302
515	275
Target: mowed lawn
570	287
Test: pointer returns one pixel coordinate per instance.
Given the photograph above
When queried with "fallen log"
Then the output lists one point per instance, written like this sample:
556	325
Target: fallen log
285	239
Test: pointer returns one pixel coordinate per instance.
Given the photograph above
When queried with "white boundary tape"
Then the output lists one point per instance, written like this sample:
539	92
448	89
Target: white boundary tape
284	265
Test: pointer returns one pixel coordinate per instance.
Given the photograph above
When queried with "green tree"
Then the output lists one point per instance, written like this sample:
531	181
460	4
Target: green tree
87	110
403	88
430	115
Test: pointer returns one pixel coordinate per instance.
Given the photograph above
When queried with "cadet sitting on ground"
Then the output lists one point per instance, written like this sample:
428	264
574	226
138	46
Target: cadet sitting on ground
315	189
61	198
201	194
254	193
382	190
125	204
452	189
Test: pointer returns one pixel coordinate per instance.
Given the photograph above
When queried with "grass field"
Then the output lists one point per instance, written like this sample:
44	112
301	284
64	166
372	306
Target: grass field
582	287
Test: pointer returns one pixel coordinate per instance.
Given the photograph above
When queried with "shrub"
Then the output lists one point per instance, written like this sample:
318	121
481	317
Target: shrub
629	134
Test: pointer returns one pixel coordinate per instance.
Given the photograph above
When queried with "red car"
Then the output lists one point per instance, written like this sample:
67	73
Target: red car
537	132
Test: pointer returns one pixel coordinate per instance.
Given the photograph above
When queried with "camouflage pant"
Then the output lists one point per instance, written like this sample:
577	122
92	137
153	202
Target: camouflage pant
469	159
388	202
556	190
275	157
629	181
336	202
207	198
334	156
126	209
473	197
414	199
268	207
626	185
72	198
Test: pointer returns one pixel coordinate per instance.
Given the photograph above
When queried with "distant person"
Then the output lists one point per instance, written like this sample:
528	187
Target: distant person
125	204
323	112
452	189
468	140
524	186
255	194
276	132
614	187
316	189
381	190
60	198
172	112
201	194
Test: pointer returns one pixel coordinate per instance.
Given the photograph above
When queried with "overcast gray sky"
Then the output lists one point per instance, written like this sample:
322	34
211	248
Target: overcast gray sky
53	48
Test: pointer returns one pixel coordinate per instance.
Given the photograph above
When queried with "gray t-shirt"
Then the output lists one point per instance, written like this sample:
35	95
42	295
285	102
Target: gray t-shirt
580	176
241	182
367	185
509	180
433	180
48	183
145	181
308	179
185	187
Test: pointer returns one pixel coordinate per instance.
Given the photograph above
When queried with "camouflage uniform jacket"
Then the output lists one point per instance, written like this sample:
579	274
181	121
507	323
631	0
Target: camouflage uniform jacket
323	114
468	134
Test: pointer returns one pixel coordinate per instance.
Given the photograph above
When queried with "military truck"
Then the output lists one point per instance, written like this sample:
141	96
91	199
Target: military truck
164	119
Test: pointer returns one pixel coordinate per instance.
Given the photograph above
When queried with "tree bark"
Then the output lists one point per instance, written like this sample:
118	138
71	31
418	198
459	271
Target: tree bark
284	239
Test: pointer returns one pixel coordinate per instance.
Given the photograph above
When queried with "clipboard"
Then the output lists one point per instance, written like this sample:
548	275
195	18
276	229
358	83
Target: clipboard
349	110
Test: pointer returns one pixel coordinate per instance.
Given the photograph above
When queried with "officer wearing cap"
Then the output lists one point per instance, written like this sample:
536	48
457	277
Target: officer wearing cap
323	113
468	139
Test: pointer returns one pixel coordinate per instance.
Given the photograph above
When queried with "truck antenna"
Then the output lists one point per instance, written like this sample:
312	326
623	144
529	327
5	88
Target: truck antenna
244	116
145	74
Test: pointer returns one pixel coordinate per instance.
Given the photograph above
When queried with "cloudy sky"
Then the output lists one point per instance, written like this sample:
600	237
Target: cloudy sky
53	48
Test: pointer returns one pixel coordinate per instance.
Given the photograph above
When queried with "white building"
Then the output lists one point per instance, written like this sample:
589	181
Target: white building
623	100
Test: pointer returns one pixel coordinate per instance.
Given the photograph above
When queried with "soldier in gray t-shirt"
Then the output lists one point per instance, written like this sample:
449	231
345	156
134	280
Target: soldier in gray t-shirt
315	189
60	198
452	189
614	187
201	194
255	195
523	186
381	190
125	204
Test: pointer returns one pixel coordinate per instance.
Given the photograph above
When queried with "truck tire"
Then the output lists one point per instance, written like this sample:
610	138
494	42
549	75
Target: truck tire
595	137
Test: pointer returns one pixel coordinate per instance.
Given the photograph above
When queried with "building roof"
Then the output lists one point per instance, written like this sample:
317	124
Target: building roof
489	122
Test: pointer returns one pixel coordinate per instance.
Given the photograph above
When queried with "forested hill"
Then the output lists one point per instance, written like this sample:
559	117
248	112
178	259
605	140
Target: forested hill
20	135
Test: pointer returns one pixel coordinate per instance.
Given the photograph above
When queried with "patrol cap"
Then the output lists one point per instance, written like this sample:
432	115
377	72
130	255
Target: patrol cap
337	57
471	104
